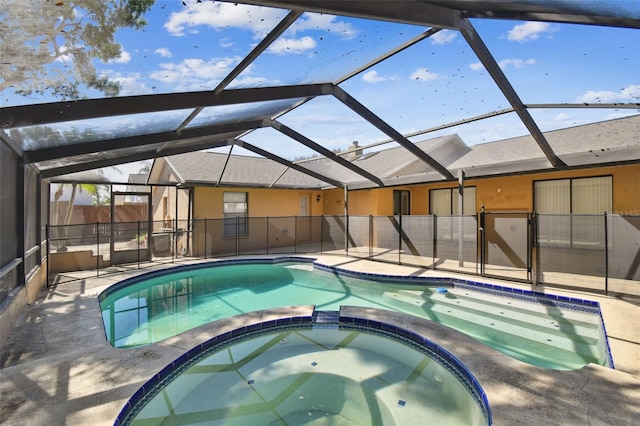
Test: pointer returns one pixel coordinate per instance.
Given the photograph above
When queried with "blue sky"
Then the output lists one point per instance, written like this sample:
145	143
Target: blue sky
439	80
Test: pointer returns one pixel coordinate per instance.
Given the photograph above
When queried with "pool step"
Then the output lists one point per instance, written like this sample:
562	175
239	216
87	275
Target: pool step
581	317
538	341
475	312
528	314
326	317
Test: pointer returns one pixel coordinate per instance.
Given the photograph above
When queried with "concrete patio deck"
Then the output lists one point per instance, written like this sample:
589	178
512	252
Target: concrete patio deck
58	368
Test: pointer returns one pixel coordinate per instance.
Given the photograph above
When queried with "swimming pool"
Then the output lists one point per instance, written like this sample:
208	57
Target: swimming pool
316	370
558	333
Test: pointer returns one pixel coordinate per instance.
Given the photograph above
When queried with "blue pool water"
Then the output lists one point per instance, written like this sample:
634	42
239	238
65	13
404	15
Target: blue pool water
320	374
544	332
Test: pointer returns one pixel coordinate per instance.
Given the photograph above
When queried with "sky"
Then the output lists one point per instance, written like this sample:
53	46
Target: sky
192	46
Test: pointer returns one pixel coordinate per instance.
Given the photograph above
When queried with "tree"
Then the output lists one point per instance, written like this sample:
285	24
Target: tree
47	46
146	167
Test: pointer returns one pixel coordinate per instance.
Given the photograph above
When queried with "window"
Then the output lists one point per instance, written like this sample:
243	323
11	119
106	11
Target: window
401	202
570	210
445	201
574	196
234	212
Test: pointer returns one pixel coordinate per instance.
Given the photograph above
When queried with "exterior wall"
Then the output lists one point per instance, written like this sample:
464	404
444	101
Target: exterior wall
157	195
280	204
333	202
515	193
365	202
626	190
379	201
262	202
498	194
506	193
83	260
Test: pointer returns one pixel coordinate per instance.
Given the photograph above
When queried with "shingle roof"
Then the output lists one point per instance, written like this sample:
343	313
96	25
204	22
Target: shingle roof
206	168
597	143
604	142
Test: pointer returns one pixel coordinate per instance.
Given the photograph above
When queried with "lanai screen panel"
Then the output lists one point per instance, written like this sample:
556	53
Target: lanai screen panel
320	48
123	154
279	144
9	220
191	46
329	122
68	133
241	112
475	133
428	84
112	174
183	47
554	63
535	57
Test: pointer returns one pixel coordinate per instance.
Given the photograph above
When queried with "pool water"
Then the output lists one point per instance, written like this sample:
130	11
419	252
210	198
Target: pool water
543	334
314	376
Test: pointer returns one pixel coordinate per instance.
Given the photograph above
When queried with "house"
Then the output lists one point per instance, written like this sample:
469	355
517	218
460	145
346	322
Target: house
136	184
602	164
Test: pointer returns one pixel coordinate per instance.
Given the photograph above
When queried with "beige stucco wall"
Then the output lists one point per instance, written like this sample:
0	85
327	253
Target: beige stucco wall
159	193
515	193
262	202
333	201
506	193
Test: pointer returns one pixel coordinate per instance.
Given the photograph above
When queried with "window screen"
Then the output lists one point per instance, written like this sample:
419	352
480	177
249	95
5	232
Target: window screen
553	196
234	210
445	201
591	196
574	196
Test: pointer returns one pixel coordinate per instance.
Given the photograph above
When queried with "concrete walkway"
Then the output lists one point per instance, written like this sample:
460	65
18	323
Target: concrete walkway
57	367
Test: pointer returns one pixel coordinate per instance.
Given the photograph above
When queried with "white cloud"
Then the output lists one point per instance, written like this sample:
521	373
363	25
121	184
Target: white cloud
219	15
164	52
291	45
423	74
226	42
630	93
123	58
443	37
372	77
131	84
326	23
195	70
64	57
516	63
528	31
477	66
563	118
252	81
